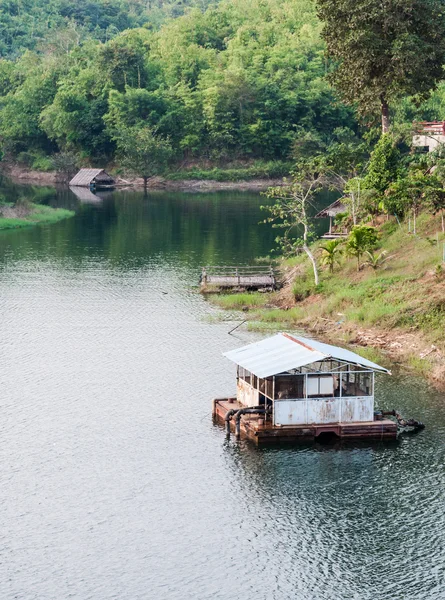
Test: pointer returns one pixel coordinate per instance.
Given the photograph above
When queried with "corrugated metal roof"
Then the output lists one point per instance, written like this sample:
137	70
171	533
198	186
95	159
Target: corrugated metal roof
85	176
283	352
342	354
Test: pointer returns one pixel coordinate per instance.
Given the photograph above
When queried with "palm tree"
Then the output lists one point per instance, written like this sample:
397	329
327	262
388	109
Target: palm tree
361	239
376	261
331	252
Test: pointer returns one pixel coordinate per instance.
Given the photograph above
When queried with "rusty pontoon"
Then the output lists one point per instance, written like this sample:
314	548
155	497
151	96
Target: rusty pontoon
291	388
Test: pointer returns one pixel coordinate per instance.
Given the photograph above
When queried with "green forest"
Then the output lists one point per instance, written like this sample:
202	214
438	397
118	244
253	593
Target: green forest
95	80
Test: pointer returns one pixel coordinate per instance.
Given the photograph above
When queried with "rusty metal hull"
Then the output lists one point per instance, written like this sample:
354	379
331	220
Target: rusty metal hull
262	434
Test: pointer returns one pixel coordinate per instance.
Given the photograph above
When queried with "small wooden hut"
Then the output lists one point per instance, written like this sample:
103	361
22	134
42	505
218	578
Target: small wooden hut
429	135
332	211
291	388
92	178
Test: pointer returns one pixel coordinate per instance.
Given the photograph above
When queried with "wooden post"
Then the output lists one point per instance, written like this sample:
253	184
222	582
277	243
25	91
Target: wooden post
273	401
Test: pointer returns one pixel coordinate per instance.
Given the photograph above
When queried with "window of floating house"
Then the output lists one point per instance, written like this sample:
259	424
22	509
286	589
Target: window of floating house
248	377
289	386
244	374
357	383
265	386
320	386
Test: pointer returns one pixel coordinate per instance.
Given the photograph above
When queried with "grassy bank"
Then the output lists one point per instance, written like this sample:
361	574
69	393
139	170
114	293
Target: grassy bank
397	310
36	214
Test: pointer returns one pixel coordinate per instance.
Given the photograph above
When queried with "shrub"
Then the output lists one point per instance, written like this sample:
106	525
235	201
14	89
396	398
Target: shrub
42	163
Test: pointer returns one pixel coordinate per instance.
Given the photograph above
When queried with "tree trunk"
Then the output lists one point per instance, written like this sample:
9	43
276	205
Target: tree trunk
307	249
385	114
354	211
314	264
145	181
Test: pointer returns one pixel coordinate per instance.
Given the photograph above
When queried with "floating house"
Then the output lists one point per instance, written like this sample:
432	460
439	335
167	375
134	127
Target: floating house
334	209
292	388
92	178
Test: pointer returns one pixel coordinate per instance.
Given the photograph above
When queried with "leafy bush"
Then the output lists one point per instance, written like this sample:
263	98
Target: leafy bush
42	163
35	159
361	239
25	158
267	170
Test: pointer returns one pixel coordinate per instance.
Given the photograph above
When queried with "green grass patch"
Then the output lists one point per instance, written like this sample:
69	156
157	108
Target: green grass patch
238	301
264	327
40	214
420	365
372	354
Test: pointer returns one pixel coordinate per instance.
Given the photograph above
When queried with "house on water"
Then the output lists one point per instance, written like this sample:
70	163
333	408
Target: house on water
292	388
92	178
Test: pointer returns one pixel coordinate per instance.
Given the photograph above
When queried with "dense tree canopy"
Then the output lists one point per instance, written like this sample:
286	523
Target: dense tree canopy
243	78
40	24
232	79
384	50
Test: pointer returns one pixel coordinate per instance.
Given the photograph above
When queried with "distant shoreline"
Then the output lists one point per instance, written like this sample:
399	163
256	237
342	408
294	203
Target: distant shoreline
25	175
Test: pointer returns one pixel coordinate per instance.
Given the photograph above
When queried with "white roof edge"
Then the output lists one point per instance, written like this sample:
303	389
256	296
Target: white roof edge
343	354
283	351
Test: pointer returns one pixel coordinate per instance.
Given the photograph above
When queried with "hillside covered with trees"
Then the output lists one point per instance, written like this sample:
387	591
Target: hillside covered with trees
39	24
109	82
241	79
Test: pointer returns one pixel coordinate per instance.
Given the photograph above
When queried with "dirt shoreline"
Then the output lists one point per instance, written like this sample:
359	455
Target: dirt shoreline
20	174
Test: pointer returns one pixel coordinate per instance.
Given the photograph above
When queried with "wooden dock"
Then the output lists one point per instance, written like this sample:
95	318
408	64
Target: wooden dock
334	236
247	277
262	432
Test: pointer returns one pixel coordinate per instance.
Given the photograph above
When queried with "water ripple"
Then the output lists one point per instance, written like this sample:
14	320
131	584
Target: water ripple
114	484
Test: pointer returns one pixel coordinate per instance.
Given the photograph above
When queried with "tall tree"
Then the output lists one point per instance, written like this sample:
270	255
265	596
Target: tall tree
144	152
384	50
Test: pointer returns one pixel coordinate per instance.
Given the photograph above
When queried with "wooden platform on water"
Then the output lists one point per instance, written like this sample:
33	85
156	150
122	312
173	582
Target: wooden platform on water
248	277
268	434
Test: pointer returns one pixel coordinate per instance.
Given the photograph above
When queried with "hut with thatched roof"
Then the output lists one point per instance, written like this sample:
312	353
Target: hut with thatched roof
334	209
92	178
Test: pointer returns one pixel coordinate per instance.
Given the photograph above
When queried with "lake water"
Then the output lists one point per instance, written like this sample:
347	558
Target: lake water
115	484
